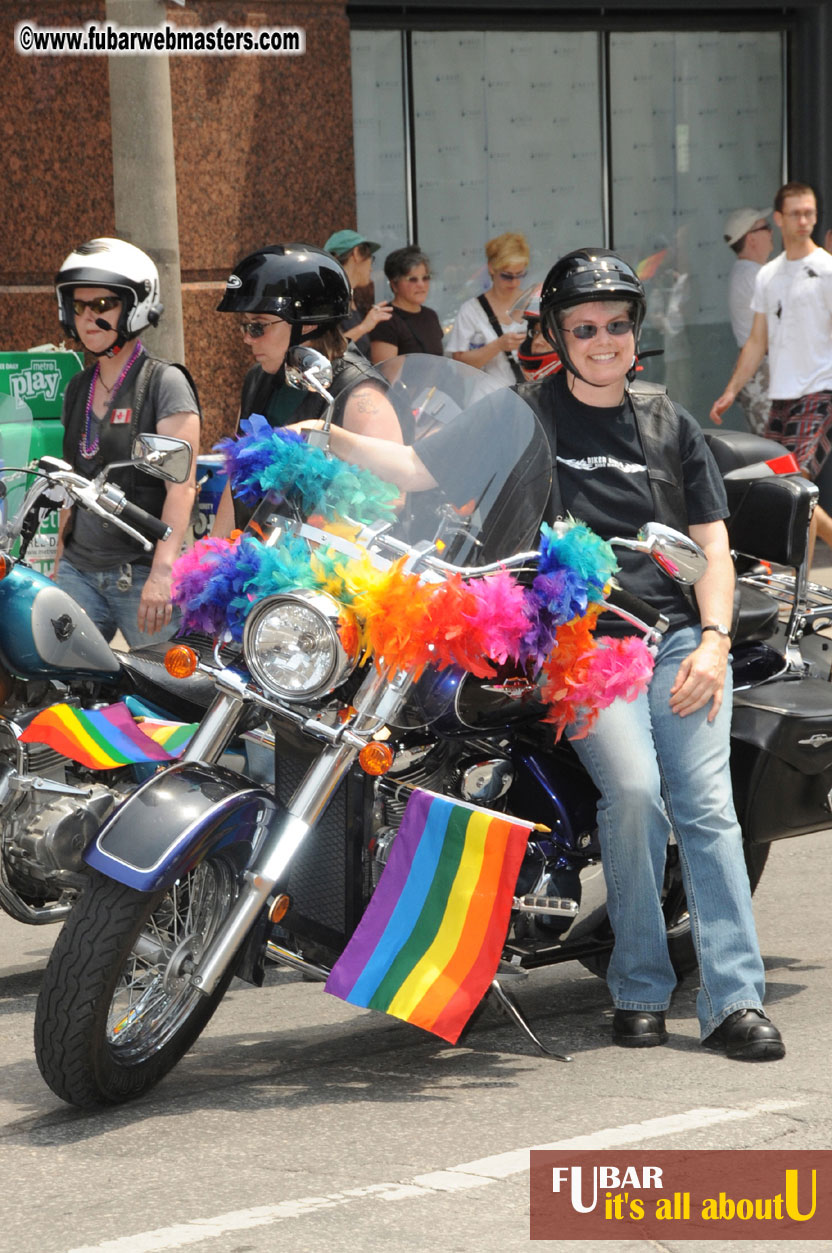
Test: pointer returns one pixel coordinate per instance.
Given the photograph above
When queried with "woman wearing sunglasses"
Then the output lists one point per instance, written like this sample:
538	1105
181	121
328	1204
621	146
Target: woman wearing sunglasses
486	333
413	327
623	454
108	293
290	294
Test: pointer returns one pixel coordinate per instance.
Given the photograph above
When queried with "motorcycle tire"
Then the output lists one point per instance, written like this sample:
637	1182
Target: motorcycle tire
115	1012
679	937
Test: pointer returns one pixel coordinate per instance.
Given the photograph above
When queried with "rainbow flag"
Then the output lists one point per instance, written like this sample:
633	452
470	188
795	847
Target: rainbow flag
646	269
106	737
430	940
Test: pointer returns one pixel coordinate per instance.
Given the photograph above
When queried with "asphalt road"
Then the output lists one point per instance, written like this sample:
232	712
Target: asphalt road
301	1123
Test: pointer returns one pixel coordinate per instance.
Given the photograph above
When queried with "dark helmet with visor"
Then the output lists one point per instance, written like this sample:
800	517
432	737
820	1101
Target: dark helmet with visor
587	274
295	282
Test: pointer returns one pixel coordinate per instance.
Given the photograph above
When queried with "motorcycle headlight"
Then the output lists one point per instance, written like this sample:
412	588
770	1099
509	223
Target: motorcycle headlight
292	646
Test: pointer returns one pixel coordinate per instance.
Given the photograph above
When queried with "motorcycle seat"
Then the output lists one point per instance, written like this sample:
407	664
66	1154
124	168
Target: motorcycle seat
734	449
757	617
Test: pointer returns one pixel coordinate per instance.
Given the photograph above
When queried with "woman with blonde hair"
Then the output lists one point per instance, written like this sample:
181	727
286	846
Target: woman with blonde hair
485	333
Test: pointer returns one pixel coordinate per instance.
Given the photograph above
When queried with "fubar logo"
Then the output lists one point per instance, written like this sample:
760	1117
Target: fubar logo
682	1195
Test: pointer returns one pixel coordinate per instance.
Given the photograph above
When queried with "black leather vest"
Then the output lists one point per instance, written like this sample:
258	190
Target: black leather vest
116	438
659	430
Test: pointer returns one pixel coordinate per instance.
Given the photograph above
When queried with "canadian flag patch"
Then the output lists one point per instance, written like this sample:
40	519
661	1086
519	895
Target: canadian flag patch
121	417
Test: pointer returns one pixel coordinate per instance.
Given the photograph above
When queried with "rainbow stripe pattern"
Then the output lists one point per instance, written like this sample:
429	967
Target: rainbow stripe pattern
108	737
429	943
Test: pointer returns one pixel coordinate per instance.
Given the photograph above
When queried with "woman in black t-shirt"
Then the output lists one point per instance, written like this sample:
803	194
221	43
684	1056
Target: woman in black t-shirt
413	327
624	455
289	294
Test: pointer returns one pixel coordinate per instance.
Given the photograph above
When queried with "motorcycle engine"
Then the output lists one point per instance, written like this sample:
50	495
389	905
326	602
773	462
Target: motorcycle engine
481	779
43	832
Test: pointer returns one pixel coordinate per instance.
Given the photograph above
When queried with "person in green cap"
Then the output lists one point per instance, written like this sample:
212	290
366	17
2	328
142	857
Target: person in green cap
355	253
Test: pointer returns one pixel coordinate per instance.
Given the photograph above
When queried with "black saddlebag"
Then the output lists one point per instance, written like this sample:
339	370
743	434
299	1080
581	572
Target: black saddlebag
781	758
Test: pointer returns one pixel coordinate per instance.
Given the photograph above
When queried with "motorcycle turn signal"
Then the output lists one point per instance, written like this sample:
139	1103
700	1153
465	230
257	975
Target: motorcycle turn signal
376	758
181	661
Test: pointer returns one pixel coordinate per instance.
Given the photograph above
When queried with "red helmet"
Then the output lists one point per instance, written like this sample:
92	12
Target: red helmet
535	366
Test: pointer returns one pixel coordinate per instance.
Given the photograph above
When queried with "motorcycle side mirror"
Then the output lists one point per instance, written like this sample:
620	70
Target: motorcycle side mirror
311	371
163	456
676	554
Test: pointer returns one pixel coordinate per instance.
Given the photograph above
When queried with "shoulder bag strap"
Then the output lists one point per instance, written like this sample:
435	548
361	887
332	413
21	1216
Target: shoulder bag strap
498	330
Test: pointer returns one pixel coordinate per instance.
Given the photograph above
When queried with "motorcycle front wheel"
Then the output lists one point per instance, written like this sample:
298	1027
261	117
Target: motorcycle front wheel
115	1011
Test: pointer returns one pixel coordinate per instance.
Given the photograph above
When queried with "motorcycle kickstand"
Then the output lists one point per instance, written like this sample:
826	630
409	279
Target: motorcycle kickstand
513	1011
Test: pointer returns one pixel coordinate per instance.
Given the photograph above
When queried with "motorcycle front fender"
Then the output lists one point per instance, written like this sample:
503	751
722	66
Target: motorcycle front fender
175	819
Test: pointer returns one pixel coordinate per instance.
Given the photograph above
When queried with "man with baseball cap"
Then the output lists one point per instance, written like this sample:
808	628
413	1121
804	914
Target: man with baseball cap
792	306
749	235
355	252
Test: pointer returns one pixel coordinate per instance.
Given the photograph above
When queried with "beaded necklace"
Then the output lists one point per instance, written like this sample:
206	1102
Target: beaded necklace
89	444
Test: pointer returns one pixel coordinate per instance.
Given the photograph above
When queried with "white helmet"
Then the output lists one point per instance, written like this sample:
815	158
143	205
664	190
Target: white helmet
121	267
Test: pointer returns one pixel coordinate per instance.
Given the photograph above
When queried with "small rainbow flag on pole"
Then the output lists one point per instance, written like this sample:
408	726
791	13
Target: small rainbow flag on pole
430	940
107	737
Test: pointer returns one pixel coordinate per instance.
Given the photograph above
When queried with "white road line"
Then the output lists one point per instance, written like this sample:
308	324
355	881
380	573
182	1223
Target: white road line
477	1174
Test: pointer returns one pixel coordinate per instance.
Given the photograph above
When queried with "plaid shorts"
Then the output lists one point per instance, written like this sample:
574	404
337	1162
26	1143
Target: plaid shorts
804	426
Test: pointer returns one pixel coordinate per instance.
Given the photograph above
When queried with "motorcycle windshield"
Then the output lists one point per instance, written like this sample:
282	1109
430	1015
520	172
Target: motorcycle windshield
483	459
15	443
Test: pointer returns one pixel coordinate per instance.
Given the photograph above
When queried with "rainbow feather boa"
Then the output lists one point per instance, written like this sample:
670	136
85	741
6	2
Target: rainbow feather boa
274	459
545	628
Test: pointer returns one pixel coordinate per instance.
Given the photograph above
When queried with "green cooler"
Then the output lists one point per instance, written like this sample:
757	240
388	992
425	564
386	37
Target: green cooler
37	381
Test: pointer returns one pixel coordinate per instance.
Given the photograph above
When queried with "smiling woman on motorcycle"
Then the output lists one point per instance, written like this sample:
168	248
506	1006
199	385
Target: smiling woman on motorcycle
623	455
291	294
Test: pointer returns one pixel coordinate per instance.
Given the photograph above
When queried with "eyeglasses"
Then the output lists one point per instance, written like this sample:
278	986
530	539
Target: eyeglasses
256	330
588	330
796	214
101	304
415	278
510	278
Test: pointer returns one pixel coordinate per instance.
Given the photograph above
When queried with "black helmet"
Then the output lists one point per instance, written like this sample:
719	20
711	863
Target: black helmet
121	267
296	282
585	275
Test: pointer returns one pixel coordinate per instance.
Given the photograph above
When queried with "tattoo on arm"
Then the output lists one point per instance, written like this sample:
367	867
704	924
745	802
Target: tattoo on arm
366	401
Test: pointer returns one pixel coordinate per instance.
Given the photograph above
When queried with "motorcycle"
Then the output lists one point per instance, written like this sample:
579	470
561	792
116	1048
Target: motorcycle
200	876
51	651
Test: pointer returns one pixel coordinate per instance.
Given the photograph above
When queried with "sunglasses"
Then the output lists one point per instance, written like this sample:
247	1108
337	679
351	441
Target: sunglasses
101	304
414	278
588	330
756	229
256	330
509	278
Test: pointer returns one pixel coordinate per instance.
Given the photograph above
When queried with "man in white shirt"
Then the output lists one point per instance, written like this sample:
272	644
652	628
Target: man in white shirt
792	306
750	236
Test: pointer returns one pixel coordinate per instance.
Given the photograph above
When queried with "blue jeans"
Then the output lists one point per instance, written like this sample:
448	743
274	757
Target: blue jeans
110	609
650	765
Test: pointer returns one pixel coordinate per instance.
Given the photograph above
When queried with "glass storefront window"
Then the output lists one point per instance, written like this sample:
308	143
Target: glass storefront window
507	137
379	138
646	141
696	132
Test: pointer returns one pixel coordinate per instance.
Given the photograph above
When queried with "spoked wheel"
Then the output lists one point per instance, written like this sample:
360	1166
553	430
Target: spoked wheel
675	909
116	1010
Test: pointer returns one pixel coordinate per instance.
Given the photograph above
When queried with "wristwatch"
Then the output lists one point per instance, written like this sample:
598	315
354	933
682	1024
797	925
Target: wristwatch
719	627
